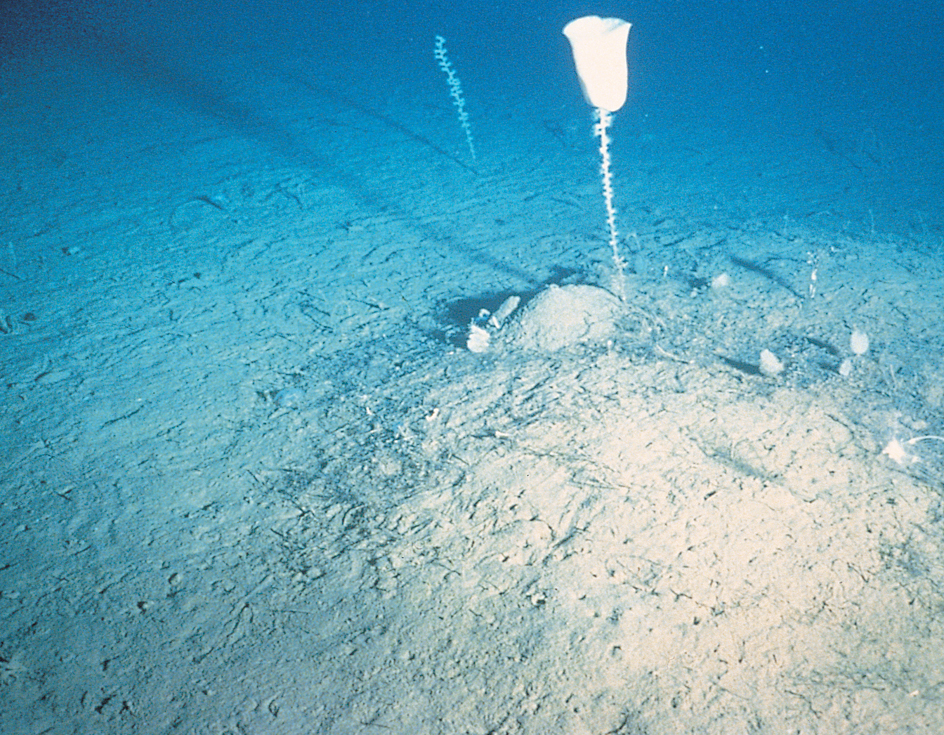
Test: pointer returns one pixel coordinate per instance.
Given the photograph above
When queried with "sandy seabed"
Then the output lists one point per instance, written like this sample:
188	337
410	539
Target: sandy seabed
253	482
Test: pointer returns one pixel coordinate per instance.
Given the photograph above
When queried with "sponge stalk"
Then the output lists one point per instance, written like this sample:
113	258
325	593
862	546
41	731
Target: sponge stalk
604	118
455	90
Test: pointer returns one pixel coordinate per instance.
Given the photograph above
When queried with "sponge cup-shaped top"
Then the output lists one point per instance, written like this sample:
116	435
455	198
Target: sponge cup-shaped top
599	48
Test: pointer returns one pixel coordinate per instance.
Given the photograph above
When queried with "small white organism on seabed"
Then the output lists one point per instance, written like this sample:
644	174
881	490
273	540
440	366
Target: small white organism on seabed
478	338
895	449
812	260
859	342
720	281
770	364
859	345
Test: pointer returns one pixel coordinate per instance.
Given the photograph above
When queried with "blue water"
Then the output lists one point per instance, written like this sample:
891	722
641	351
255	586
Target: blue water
241	245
